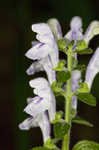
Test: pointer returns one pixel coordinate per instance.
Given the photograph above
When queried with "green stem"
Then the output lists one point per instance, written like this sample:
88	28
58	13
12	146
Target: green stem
68	102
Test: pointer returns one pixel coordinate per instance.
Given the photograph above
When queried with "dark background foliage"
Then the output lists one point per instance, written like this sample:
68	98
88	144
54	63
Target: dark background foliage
16	18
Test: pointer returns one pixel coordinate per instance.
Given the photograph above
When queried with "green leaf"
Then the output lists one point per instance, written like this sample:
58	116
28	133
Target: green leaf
60	66
60	129
40	148
81	44
85	51
81	121
83	88
86	145
63	76
50	144
87	99
58	117
62	43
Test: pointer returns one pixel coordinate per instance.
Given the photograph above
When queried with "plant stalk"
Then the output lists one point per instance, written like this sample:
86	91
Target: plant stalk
68	102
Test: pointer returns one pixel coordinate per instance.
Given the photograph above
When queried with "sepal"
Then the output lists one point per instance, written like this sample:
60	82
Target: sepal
62	44
60	66
83	88
56	87
50	144
81	44
58	117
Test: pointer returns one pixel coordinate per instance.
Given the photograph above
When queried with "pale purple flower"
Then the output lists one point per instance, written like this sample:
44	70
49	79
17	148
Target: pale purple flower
76	76
43	65
45	51
44	100
92	30
41	120
92	69
76	29
76	32
46	46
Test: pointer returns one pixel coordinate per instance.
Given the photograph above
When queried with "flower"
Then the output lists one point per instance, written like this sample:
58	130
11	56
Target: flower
41	120
76	32
92	68
76	29
45	51
37	107
46	45
76	76
55	27
44	100
92	30
43	65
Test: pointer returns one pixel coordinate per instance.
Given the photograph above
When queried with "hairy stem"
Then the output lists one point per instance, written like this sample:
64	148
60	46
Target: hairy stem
68	102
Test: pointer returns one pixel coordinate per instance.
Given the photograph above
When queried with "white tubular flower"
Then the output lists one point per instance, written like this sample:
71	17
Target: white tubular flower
46	45
92	30
41	120
44	50
92	69
34	67
55	27
76	76
43	65
44	100
76	29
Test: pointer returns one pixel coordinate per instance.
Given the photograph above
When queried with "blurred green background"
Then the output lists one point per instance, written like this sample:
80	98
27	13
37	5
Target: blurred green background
16	18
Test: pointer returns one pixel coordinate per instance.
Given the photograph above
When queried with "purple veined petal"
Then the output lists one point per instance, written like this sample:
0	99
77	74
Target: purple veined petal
26	124
44	125
39	83
41	28
74	102
92	30
37	106
92	69
74	35
34	67
38	52
52	108
55	27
